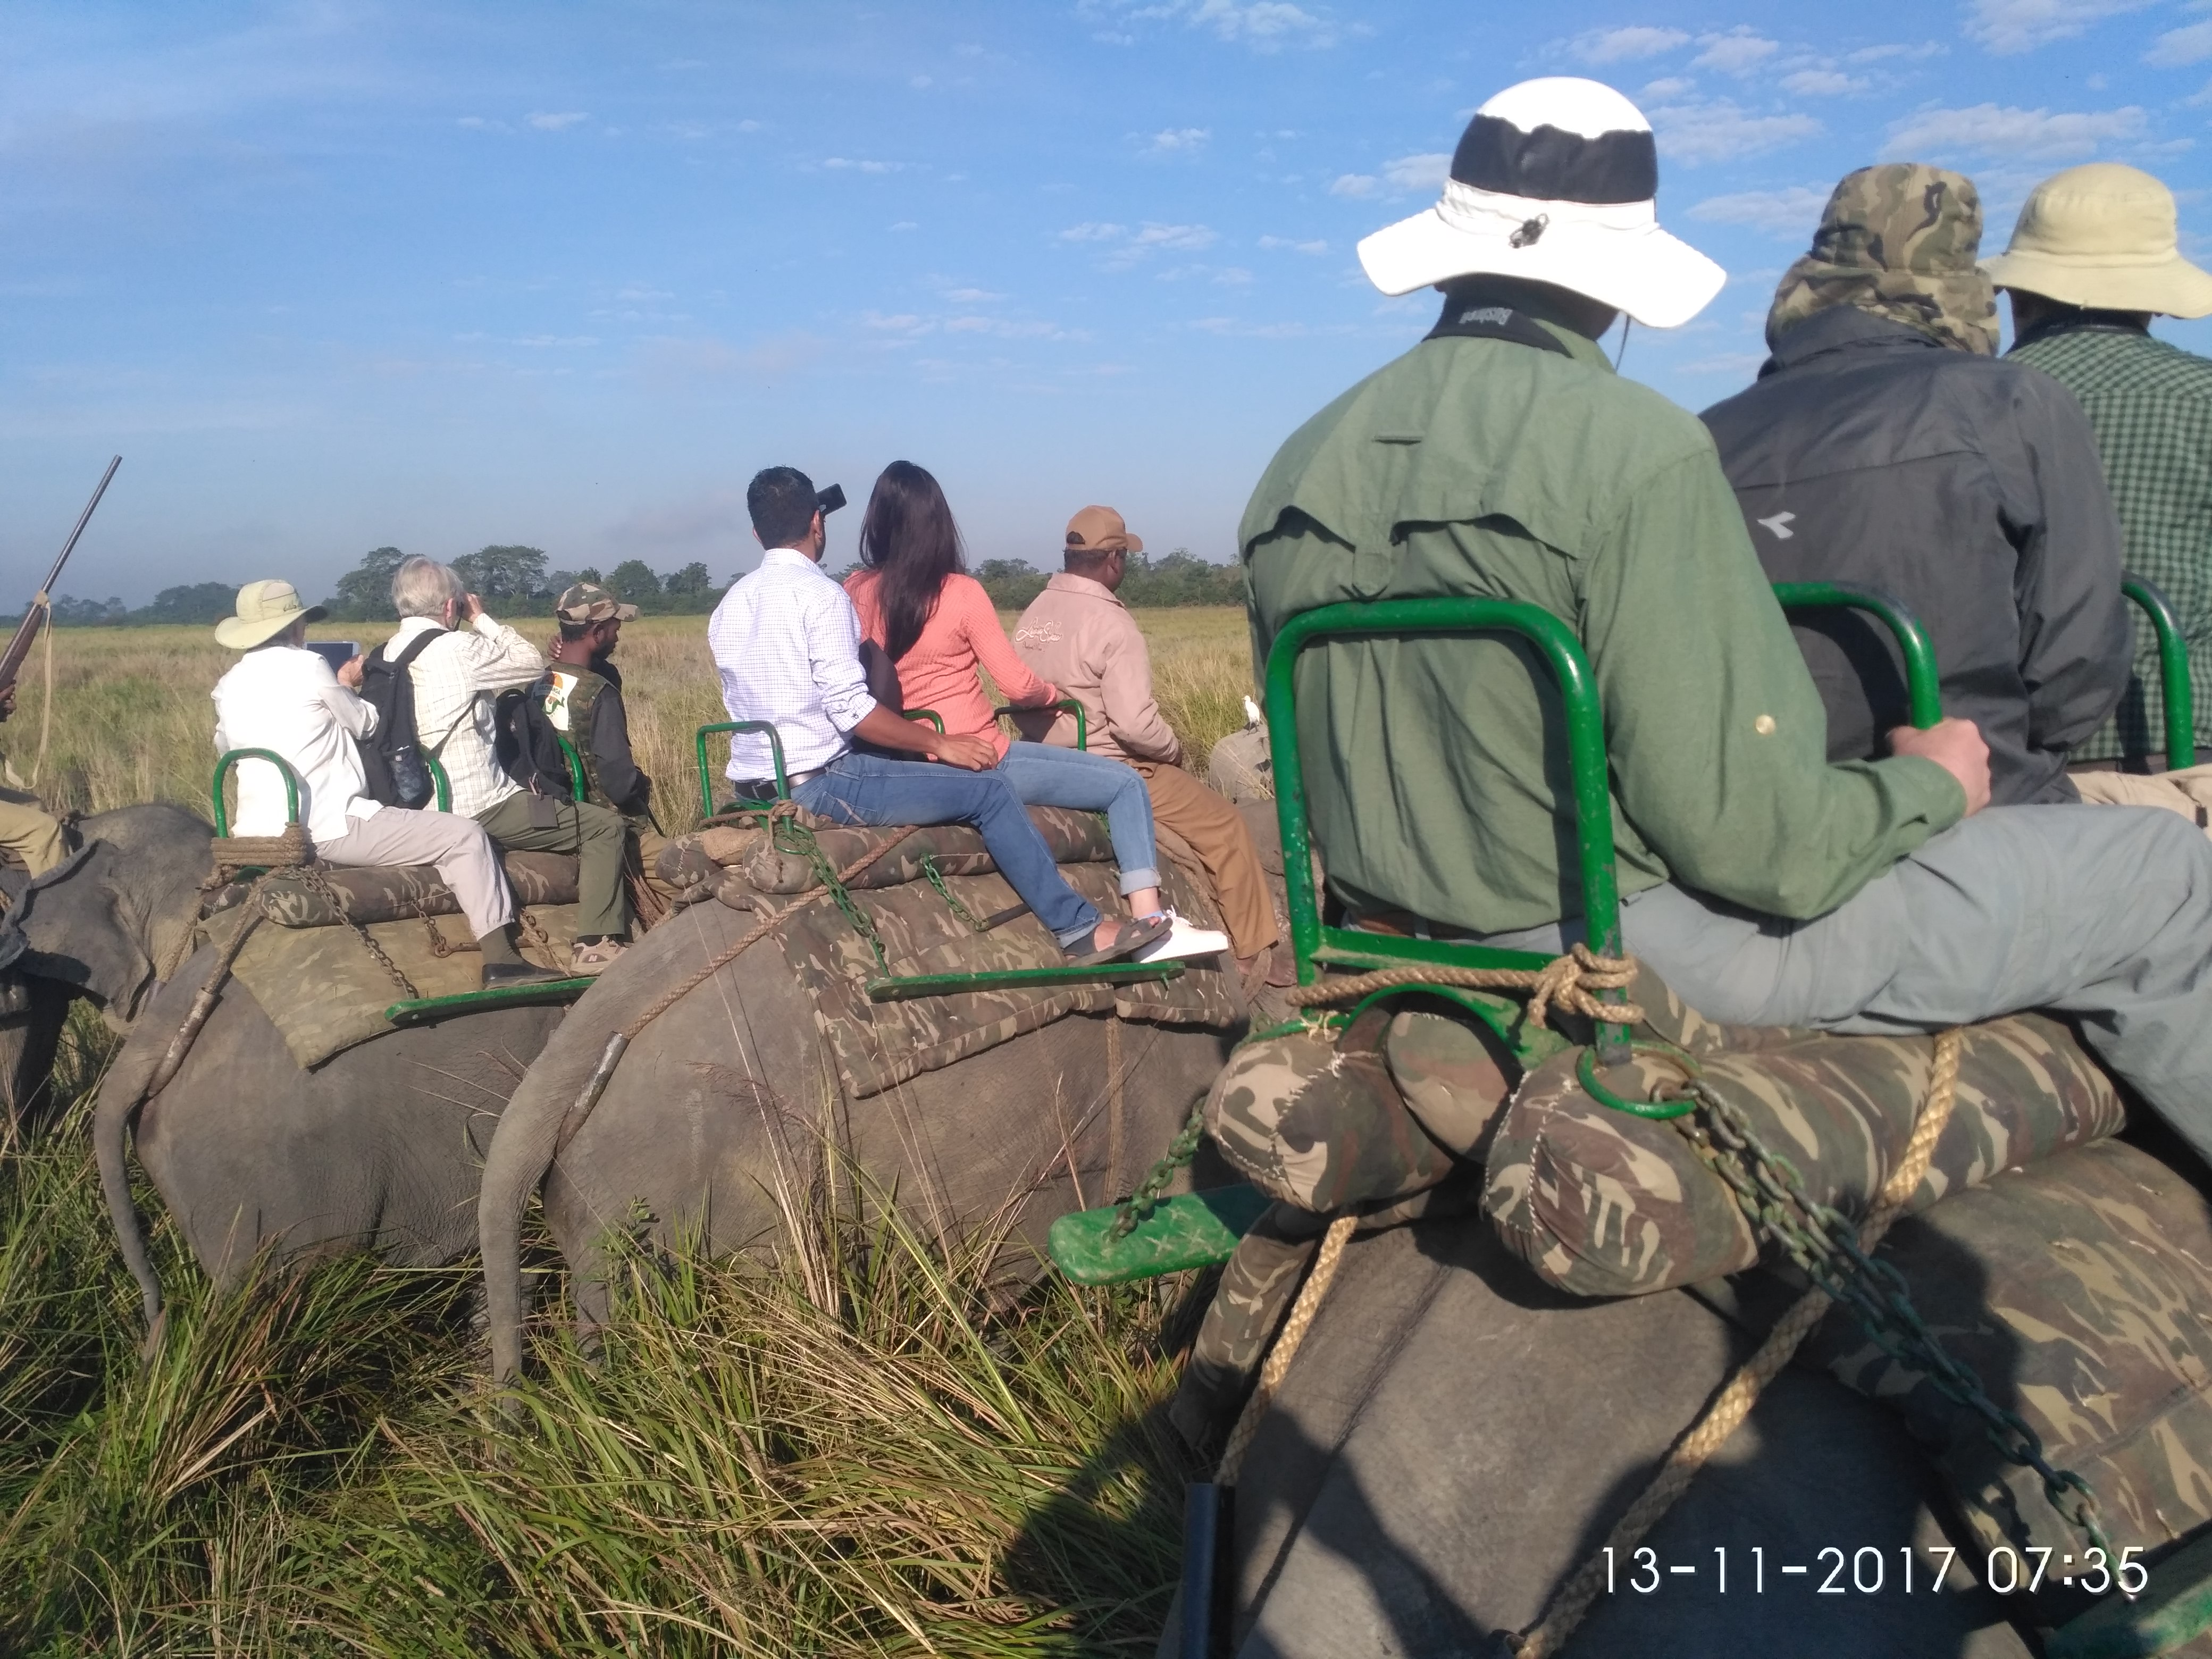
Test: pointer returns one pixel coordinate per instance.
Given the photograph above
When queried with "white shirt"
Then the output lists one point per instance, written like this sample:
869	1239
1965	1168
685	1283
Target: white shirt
786	643
285	698
456	679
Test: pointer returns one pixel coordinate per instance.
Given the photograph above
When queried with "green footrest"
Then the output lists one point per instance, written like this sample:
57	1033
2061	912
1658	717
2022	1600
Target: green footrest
1006	979
2174	1607
1196	1230
424	1010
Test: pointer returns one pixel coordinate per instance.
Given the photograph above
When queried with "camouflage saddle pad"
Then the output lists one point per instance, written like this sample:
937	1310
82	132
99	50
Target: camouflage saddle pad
325	991
878	1045
395	892
739	852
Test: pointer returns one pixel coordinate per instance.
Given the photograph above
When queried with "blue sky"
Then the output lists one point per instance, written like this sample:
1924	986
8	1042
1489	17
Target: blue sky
337	275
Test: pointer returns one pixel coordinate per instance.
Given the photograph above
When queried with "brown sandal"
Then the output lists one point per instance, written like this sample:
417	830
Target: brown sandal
1131	937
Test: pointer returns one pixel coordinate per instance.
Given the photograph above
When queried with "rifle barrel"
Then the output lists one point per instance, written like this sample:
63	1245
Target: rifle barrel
83	519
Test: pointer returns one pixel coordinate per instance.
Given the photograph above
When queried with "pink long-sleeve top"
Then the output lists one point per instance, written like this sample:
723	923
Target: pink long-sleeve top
938	671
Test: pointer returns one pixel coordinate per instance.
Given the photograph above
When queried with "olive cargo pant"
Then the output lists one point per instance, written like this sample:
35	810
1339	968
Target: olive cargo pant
29	831
2101	912
1218	834
594	833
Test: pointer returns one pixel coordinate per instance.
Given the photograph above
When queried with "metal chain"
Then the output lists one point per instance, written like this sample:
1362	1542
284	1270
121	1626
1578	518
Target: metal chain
1140	1204
440	947
1824	1245
967	918
315	882
533	930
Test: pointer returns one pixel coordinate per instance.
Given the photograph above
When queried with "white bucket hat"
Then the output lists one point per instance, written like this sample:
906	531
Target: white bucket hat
1553	181
2102	236
266	608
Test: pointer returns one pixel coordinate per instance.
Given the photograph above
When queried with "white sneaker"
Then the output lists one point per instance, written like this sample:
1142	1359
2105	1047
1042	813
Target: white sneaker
1183	940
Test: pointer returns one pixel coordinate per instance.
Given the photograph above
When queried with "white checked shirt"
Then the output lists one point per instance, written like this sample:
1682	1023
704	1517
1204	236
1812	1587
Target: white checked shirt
786	643
285	698
456	679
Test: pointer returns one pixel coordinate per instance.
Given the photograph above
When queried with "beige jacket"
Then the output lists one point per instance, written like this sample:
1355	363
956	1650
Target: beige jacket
1077	636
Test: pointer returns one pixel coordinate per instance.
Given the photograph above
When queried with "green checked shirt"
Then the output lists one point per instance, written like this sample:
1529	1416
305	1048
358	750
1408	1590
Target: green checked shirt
1436	768
2150	405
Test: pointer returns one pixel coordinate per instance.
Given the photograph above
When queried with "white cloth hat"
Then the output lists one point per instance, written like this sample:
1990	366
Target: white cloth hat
2102	235
1554	181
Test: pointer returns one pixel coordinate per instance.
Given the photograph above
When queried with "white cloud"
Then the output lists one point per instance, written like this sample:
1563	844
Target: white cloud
1737	52
1823	83
844	164
1233	277
1353	184
1881	54
904	322
1179	141
1154	235
749	126
1624	46
478	124
2013	26
1992	130
906	224
1264	24
1717	130
1668	85
918	81
559	121
1417	171
971	296
1093	233
1790	213
1272	243
2178	46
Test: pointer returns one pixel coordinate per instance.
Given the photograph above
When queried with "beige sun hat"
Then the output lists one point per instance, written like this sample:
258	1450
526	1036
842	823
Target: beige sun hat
265	610
2102	235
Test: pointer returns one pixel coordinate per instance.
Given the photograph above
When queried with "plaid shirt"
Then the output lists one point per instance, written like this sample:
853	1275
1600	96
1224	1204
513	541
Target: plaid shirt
455	680
2150	405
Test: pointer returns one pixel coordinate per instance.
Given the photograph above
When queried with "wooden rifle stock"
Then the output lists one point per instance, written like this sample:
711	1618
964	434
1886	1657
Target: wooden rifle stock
40	609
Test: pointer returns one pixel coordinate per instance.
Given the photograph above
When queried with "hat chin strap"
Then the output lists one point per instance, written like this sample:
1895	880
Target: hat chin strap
1494	214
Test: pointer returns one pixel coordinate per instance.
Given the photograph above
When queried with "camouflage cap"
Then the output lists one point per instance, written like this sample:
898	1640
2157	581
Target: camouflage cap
588	602
1899	240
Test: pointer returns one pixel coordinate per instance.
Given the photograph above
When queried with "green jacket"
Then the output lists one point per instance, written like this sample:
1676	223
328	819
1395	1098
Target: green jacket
1436	769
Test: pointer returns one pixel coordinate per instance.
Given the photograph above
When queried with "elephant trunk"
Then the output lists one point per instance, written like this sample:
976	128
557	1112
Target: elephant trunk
121	1093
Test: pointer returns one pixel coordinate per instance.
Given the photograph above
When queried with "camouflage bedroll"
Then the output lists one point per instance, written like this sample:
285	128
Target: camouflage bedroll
398	892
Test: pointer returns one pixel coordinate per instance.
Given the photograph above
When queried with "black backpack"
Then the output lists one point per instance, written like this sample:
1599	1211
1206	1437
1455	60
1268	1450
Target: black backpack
391	756
527	744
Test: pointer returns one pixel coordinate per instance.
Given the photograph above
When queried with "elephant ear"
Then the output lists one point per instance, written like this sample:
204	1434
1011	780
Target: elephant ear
72	925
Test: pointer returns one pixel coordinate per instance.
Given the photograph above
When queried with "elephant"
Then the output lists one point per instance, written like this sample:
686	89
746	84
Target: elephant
723	1114
1452	1441
377	1147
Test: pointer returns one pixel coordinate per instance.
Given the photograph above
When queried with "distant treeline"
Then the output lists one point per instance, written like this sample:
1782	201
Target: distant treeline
517	581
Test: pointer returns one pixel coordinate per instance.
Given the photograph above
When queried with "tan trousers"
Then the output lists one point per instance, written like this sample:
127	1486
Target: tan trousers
1217	832
2188	791
29	831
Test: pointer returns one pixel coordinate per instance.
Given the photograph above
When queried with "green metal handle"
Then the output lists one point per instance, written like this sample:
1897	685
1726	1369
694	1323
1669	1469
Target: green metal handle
2173	670
231	758
929	715
575	767
442	785
1312	943
1923	687
775	755
1066	705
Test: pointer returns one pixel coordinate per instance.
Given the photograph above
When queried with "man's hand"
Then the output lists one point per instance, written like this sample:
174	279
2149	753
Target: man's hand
349	672
1955	746
7	701
471	608
970	754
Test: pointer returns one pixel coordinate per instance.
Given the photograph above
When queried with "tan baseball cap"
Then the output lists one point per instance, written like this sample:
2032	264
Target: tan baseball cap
265	610
1101	530
2102	236
588	602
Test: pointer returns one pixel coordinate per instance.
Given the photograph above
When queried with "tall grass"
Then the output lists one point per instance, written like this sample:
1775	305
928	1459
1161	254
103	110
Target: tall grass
900	1465
132	718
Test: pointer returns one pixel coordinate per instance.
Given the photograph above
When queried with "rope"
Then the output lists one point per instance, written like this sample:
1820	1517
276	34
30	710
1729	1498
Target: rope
1285	1348
596	1085
290	852
1568	981
46	705
1725	1412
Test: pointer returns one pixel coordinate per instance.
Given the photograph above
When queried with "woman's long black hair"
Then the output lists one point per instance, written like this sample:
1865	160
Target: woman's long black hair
908	537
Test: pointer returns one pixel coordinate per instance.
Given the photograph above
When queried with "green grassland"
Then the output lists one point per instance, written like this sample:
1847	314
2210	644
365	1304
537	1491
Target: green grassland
867	1452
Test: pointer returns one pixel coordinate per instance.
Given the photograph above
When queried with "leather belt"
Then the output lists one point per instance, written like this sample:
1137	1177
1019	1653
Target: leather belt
764	788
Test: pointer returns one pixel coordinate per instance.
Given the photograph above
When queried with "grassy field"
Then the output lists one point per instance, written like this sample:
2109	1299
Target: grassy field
890	1462
131	720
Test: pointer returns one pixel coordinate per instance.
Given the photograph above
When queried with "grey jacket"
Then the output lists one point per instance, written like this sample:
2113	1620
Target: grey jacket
1967	487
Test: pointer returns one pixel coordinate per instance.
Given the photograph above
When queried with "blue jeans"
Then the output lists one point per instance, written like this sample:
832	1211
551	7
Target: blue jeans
1045	775
870	789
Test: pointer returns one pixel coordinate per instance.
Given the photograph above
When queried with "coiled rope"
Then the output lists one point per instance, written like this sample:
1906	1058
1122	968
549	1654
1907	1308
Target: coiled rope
1570	982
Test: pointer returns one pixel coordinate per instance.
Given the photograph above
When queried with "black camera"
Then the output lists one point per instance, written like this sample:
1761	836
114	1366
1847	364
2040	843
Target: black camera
829	500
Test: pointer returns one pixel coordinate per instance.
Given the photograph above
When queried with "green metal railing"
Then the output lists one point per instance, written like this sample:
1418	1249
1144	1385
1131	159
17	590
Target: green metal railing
776	754
1066	705
1315	944
230	758
929	715
2173	670
441	786
1923	687
576	791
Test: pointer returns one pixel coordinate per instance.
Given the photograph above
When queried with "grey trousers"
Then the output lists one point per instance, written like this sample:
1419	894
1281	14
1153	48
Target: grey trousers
467	861
2103	913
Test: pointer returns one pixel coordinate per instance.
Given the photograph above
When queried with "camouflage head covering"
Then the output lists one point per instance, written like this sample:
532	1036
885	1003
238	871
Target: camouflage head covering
1899	240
